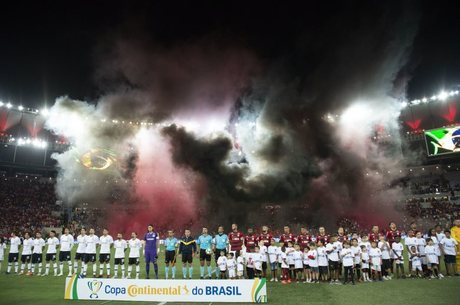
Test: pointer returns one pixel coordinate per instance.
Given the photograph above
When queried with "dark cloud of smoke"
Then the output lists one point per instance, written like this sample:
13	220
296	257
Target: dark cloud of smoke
272	146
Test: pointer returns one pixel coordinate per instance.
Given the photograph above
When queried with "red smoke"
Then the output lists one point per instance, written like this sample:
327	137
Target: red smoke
167	197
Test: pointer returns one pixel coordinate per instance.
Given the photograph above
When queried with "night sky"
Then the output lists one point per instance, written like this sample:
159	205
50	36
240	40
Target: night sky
50	48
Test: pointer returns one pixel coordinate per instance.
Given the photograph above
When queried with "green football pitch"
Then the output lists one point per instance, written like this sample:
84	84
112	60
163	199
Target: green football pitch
33	290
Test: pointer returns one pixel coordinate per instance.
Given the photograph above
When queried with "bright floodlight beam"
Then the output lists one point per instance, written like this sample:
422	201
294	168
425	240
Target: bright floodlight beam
45	112
9	105
443	95
20	108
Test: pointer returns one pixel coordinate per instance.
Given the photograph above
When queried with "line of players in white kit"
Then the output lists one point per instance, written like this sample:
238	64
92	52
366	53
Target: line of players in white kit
32	253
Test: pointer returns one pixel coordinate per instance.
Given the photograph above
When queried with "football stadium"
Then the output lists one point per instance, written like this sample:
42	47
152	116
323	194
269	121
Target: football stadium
213	153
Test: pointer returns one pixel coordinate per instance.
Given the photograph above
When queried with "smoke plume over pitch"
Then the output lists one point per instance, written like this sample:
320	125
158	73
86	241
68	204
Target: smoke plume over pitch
313	130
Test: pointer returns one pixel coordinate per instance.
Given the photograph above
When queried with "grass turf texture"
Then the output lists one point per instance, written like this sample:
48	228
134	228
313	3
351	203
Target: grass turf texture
47	290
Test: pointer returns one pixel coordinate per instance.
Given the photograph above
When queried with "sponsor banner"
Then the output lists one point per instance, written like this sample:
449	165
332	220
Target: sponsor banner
251	291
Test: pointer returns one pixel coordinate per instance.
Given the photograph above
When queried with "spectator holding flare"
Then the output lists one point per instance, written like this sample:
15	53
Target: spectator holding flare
236	240
219	243
171	244
204	242
151	244
455	233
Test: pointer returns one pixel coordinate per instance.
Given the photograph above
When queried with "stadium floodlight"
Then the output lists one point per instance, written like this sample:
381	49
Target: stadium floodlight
416	102
20	108
45	112
424	100
434	98
9	105
1	104
404	104
443	95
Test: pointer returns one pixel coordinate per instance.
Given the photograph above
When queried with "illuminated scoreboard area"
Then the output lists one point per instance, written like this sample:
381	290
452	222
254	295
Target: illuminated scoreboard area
431	127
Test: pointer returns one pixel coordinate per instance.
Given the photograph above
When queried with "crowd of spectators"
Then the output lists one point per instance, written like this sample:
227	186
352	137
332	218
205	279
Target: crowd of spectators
27	203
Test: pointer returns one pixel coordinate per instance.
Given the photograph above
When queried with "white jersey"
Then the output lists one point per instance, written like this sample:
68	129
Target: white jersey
135	246
263	251
106	242
2	251
273	252
416	260
240	263
385	248
298	260
91	242
312	257
410	241
365	260
120	246
367	244
348	257
375	254
440	236
38	245
222	263
322	257
257	257
436	245
27	245
431	254
421	243
284	263
333	251
290	255
356	254
449	245
231	264
15	242
52	244
249	260
66	242
81	244
398	249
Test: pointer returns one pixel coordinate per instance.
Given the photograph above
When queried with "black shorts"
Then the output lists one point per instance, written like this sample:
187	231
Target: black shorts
119	261
80	256
104	258
264	266
204	255
50	257
217	253
90	258
187	258
386	264
449	259
323	269
37	258
333	265
26	258
13	257
170	257
306	267
64	256
292	267
133	261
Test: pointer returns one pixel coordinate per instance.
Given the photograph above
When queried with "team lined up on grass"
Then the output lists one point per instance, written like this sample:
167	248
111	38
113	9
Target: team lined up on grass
372	257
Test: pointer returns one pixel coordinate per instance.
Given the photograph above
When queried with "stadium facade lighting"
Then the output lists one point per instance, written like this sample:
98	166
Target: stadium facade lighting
20	108
9	105
45	112
1	104
443	95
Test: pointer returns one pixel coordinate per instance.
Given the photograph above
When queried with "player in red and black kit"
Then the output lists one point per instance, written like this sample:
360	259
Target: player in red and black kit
265	237
392	233
304	238
323	236
250	240
236	240
287	236
374	234
341	235
391	236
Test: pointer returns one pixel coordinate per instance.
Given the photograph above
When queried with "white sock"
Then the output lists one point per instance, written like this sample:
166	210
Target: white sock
108	269
69	263
61	267
115	270
22	267
55	268
29	267
85	268
47	270
16	267
130	269
101	269
137	271
75	266
8	269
